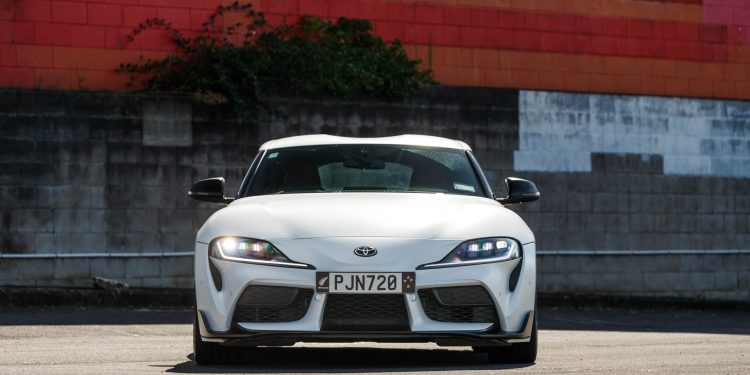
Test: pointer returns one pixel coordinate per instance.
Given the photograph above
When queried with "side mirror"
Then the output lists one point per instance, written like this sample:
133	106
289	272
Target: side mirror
209	190
519	191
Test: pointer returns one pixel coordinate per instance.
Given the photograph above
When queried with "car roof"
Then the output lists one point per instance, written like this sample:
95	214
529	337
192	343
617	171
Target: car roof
405	139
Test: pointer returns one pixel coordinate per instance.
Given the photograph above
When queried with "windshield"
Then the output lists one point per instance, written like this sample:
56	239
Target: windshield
364	168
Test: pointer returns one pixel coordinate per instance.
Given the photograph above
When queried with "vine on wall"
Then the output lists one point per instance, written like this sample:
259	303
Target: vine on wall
250	58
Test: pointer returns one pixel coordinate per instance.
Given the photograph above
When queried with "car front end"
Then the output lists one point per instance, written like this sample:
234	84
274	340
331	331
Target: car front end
453	269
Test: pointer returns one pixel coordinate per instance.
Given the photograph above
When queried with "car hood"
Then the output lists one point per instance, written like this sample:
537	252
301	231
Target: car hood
403	215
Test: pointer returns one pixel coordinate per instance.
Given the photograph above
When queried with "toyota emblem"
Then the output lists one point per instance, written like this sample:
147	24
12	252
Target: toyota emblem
365	251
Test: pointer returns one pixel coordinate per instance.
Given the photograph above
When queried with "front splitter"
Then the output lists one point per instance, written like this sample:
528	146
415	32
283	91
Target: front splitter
243	337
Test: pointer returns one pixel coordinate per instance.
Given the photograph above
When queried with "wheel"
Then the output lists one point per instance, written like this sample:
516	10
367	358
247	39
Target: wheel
211	353
522	352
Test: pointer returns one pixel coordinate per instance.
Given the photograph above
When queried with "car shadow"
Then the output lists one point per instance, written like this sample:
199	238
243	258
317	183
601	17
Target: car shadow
349	360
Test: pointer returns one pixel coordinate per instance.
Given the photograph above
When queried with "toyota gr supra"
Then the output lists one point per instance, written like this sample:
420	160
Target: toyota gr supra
394	239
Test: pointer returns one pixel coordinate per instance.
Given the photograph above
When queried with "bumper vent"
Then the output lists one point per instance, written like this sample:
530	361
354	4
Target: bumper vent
466	304
365	312
272	304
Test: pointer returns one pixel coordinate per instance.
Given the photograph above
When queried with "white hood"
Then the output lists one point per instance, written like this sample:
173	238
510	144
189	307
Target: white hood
401	215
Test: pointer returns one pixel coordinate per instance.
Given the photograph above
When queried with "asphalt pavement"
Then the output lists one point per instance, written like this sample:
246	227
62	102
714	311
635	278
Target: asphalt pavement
78	341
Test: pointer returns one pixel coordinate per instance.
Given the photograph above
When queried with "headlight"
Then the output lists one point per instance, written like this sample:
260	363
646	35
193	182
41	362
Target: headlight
483	250
250	250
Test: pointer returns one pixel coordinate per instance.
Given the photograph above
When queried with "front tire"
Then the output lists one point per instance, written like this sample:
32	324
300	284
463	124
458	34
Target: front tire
523	352
211	353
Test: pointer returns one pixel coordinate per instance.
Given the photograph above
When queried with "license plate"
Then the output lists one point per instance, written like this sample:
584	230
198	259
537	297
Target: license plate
365	282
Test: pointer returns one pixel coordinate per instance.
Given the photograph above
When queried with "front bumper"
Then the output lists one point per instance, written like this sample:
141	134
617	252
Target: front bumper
243	337
515	306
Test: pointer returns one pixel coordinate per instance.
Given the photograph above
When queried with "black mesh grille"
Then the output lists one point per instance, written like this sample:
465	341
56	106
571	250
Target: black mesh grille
466	304
365	312
267	304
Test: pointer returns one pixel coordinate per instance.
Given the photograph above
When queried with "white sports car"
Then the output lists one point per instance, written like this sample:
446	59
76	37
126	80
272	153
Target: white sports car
395	239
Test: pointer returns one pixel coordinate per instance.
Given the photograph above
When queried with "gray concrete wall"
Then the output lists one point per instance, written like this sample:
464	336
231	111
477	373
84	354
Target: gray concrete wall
714	276
560	132
603	164
105	175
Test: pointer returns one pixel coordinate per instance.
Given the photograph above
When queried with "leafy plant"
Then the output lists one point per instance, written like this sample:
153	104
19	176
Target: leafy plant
250	58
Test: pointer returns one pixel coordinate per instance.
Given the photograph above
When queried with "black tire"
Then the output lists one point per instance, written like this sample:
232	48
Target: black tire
211	353
523	352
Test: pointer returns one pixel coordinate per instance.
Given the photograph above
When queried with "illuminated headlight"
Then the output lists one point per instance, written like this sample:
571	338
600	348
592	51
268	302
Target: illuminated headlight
483	250
250	250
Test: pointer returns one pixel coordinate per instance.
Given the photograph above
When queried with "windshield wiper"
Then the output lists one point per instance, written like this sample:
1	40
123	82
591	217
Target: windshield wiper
365	188
299	191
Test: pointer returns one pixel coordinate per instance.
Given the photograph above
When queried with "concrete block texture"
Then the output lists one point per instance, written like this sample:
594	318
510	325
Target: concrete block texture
66	272
72	268
617	282
110	268
167	122
674	275
34	271
176	267
565	131
141	267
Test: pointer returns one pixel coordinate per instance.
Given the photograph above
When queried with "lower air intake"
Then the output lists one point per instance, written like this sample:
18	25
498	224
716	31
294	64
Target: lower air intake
272	304
365	312
465	304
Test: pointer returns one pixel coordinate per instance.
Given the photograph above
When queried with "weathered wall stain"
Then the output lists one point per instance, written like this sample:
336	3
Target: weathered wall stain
696	137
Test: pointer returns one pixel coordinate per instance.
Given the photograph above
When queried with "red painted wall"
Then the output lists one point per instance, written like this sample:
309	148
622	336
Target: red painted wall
678	47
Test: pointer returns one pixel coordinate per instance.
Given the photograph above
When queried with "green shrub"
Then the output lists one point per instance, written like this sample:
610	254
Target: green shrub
248	59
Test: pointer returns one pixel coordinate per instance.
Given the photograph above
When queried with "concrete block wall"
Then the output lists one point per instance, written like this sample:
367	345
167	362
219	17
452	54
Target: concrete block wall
641	195
602	163
80	175
149	270
93	184
698	137
709	276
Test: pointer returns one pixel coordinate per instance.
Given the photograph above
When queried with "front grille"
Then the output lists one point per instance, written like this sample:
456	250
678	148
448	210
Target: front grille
269	304
465	304
365	312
